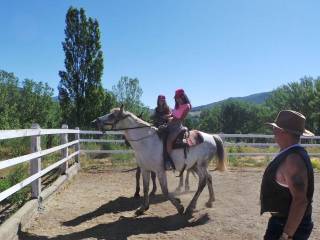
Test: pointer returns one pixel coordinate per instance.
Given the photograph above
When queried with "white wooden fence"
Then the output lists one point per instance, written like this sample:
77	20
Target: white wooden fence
36	153
234	140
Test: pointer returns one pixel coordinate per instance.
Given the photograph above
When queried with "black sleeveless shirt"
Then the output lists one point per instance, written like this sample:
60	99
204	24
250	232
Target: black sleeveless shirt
276	198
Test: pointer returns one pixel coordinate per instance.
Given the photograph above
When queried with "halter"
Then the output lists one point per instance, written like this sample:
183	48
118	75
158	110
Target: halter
118	119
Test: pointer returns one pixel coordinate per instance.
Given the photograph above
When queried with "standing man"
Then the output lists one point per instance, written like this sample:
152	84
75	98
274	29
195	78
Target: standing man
288	183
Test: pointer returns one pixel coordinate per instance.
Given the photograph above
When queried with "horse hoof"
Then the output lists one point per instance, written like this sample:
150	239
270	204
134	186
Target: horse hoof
136	195
152	194
139	212
187	189
178	190
188	211
209	204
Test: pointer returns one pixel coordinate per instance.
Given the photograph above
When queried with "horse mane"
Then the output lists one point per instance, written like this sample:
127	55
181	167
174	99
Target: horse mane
138	120
134	117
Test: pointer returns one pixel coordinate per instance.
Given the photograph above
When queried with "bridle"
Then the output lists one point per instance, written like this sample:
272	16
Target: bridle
118	119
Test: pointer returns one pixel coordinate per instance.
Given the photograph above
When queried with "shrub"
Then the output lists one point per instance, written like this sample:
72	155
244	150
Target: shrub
315	163
15	176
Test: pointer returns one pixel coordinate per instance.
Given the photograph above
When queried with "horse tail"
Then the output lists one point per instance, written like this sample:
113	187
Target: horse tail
221	165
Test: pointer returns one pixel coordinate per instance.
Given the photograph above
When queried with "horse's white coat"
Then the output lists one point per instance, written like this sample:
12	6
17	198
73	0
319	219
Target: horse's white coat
148	149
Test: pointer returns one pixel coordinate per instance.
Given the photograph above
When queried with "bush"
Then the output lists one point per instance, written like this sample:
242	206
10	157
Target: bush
315	163
17	175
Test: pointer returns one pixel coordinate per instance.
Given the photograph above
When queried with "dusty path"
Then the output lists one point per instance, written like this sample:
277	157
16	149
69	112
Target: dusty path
100	206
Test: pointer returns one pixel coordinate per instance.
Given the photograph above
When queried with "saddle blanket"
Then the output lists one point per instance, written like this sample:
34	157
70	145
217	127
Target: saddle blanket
190	139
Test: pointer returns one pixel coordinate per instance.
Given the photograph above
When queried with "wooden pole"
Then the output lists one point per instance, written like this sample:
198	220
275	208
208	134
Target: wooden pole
35	164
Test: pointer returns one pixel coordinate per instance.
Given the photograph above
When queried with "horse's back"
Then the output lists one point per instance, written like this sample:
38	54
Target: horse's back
208	138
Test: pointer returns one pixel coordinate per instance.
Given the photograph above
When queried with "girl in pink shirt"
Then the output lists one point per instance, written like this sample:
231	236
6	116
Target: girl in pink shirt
179	113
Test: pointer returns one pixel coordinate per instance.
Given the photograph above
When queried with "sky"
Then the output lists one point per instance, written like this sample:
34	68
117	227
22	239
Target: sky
212	49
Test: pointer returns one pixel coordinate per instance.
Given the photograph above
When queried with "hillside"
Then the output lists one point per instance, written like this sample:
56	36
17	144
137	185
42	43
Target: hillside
257	98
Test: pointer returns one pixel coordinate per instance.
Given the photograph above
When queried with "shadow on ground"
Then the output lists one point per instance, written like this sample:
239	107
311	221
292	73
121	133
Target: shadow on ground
126	227
120	204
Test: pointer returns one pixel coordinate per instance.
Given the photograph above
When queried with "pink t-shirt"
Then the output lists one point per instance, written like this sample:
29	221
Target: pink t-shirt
181	111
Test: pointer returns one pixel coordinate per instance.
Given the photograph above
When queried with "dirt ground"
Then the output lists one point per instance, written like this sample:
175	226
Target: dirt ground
101	206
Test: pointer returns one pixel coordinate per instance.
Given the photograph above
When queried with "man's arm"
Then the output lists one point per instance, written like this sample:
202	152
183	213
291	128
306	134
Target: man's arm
296	176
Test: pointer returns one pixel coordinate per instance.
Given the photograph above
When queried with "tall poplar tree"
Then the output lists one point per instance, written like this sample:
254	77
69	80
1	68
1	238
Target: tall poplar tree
81	94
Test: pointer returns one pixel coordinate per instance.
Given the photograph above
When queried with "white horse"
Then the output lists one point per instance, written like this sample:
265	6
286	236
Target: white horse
148	148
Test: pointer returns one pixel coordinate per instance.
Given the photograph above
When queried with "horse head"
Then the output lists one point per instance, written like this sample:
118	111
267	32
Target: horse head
115	119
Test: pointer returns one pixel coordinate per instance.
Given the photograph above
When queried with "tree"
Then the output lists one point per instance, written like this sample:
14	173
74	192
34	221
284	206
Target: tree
110	101
128	92
81	95
209	120
30	103
9	93
191	122
35	105
303	96
242	117
234	116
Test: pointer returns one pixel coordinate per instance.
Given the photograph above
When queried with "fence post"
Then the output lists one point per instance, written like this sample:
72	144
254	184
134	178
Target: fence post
64	151
35	164
77	147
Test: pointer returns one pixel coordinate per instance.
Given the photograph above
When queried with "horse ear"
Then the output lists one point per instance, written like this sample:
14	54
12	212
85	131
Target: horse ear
121	108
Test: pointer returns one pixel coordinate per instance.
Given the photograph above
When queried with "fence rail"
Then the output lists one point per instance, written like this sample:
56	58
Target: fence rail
254	137
35	157
8	134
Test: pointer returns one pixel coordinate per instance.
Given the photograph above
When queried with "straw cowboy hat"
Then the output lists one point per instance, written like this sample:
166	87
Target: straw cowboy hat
292	122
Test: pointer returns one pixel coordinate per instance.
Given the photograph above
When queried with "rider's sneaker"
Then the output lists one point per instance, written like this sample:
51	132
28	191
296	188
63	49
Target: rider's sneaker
167	165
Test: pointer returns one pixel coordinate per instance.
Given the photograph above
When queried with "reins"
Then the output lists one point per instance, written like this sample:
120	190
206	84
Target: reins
121	129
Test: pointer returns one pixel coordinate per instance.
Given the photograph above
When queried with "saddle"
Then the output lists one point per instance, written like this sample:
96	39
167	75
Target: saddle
187	139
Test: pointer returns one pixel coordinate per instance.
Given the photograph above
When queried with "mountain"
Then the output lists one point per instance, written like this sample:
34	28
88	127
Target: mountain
257	98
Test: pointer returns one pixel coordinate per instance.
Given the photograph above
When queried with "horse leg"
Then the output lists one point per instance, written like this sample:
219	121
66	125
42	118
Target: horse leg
164	187
202	183
187	186
138	173
154	185
178	189
211	192
145	204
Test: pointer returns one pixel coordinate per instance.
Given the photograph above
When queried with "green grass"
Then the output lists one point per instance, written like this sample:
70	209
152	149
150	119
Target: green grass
15	176
260	161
